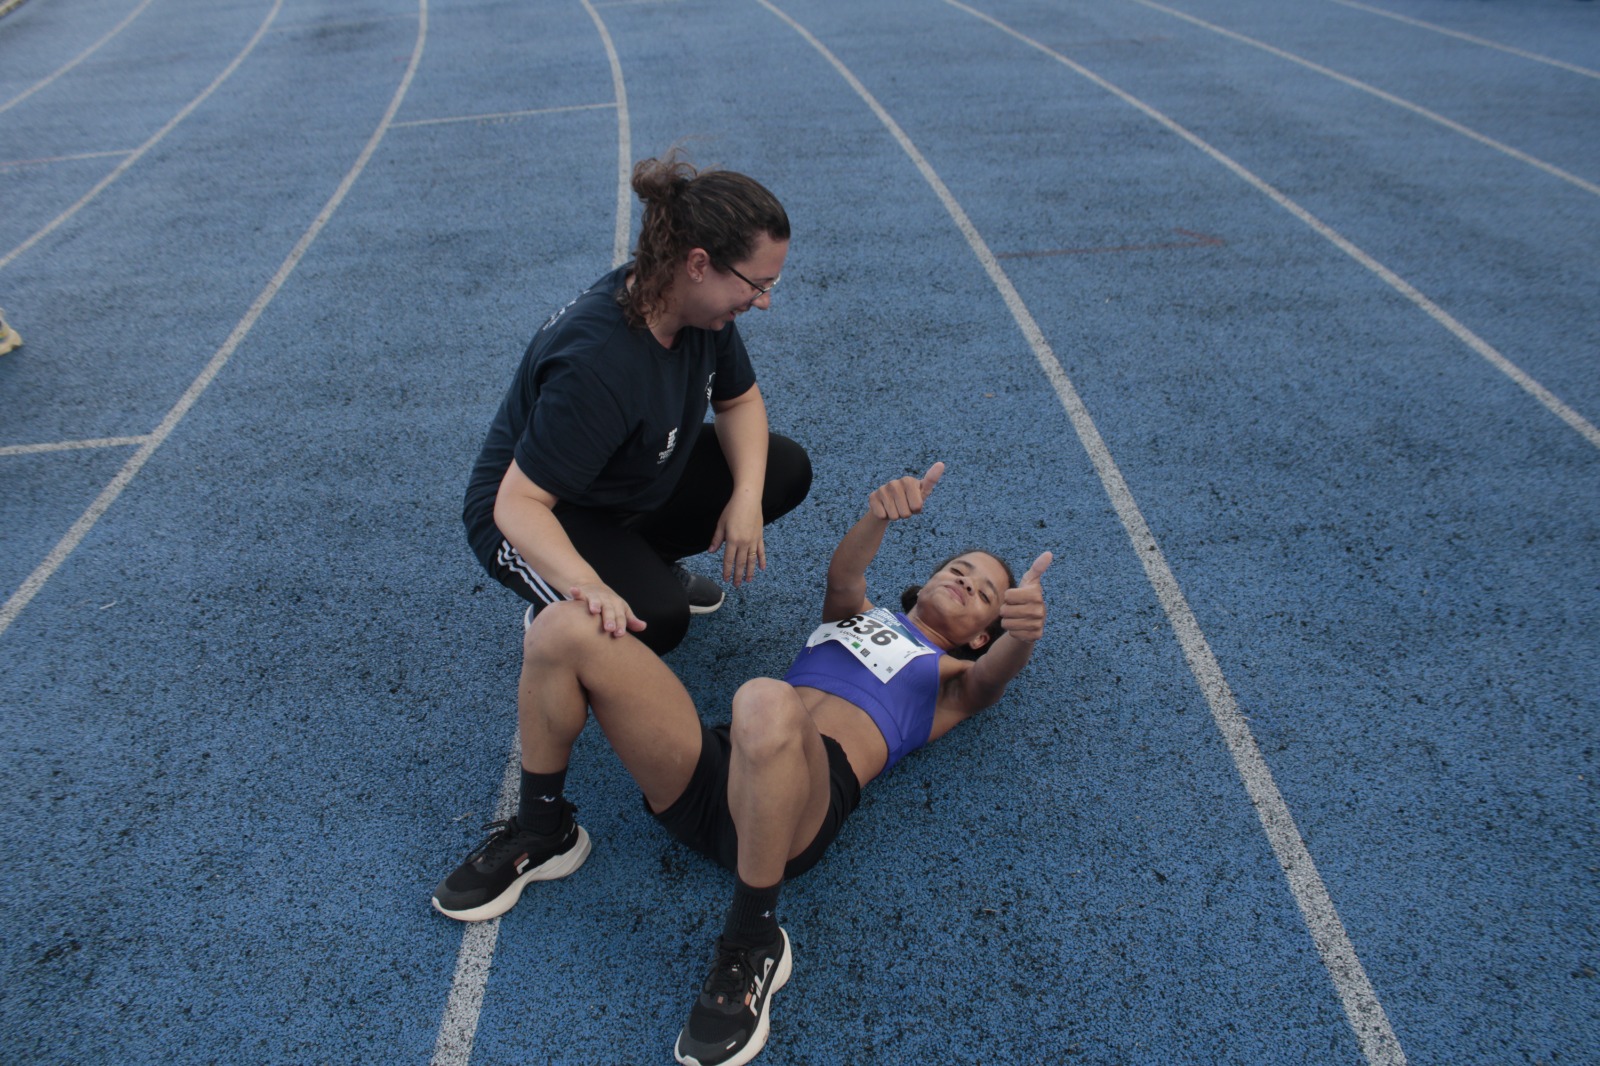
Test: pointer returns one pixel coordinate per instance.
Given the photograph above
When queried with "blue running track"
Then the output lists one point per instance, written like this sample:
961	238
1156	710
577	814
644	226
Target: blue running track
1278	322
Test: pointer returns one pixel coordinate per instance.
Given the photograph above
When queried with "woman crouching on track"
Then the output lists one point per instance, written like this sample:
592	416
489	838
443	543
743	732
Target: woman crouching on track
766	795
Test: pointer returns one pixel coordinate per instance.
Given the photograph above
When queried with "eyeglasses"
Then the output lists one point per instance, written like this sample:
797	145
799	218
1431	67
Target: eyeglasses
760	292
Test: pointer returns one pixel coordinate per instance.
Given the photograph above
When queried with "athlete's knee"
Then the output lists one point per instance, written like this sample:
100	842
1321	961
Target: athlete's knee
560	632
768	718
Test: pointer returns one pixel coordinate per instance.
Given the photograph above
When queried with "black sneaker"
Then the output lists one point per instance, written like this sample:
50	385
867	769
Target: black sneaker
705	595
492	878
729	1022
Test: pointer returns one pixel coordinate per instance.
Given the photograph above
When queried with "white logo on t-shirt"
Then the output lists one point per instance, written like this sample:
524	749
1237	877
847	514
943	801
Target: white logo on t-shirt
553	318
672	442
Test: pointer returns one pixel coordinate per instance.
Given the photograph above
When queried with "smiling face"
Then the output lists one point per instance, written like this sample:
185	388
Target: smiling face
715	296
962	599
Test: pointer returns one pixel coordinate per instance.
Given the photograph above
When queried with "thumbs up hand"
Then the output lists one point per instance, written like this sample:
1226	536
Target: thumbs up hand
1022	612
904	497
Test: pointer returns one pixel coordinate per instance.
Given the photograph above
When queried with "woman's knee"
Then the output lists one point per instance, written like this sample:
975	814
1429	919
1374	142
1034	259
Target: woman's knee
788	476
665	630
768	718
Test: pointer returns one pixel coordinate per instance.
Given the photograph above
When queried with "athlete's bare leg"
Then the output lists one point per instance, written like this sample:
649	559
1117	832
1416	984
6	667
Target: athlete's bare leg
777	778
569	665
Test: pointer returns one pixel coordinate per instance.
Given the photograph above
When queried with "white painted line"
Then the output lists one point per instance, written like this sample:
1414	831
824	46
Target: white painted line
459	1026
624	224
1388	98
80	529
47	160
1362	1009
500	115
155	139
1536	57
1482	347
73	445
81	56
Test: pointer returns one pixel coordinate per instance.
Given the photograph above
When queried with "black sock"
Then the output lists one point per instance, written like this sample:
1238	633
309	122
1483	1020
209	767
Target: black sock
752	919
540	808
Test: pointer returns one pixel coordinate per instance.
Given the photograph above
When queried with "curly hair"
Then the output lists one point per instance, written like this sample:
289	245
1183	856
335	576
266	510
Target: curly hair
908	600
684	208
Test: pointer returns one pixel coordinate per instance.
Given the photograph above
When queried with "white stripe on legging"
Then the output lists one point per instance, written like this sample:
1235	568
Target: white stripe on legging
513	561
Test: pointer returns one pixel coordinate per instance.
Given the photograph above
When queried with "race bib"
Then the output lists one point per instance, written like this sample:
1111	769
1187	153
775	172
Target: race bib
879	639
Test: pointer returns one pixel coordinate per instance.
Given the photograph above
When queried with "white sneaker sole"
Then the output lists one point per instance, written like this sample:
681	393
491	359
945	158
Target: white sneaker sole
552	869
694	609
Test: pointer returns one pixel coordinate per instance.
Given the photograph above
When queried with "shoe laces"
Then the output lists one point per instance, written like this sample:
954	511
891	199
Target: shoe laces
508	830
500	833
730	974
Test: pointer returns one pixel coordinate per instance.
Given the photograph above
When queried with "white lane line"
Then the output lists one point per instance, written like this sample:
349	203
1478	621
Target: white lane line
459	1026
81	56
1483	348
496	116
72	445
47	160
80	529
138	153
624	223
1388	98
1362	1009
1536	57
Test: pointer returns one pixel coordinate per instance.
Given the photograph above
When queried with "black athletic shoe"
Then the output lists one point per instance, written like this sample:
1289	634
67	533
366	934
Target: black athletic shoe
729	1022
492	878
705	595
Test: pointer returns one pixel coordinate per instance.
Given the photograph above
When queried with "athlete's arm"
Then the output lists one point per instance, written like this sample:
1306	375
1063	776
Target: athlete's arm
523	513
1022	615
847	571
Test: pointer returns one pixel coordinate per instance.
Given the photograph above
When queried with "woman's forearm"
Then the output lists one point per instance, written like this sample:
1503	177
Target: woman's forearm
743	432
523	513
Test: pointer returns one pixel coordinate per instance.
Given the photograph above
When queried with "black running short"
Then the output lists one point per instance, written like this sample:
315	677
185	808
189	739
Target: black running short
700	817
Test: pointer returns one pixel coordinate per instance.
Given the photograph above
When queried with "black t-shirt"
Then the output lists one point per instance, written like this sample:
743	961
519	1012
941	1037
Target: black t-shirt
601	415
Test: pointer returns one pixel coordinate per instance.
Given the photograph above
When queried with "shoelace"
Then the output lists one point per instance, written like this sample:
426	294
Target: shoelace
730	974
500	833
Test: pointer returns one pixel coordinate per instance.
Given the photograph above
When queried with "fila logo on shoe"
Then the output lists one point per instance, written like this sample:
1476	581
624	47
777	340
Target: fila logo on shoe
760	982
522	863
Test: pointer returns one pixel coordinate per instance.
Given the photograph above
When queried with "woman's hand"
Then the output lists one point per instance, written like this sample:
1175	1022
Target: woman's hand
904	497
616	617
1022	611
740	532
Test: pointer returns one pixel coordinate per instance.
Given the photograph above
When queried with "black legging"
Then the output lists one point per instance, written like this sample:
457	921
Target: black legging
634	553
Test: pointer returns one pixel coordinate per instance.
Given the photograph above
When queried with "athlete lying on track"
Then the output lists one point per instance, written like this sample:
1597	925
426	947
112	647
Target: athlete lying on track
766	795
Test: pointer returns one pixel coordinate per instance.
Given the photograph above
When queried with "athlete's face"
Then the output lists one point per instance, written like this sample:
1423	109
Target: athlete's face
721	295
963	597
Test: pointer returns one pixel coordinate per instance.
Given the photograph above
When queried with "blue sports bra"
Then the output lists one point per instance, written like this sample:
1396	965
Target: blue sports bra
850	659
